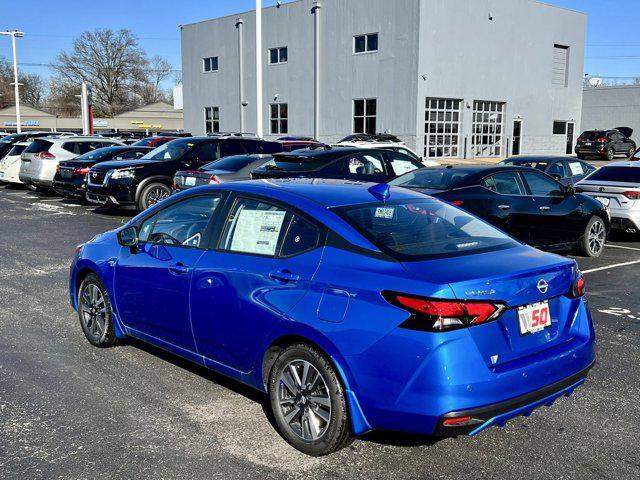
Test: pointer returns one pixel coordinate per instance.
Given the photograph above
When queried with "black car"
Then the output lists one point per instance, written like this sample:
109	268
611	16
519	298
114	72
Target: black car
363	164
6	143
70	179
525	203
567	171
144	182
606	143
228	169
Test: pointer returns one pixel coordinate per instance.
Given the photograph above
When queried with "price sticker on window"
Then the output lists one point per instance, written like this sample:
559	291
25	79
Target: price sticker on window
384	212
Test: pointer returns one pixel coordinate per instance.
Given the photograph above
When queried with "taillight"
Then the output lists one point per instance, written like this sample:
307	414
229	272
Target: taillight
175	185
440	315
601	140
45	155
456	203
579	190
632	195
578	288
57	168
81	170
213	180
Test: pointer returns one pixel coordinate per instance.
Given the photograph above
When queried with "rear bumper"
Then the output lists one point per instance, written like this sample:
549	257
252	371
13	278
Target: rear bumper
67	189
591	150
498	414
624	219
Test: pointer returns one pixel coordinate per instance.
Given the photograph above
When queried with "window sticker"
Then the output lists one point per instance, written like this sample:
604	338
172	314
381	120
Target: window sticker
384	212
257	231
576	168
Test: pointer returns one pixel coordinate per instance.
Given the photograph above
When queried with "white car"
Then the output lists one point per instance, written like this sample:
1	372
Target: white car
385	142
10	164
616	186
40	159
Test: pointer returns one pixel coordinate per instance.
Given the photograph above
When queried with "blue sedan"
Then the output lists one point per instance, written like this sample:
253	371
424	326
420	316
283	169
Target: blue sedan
353	306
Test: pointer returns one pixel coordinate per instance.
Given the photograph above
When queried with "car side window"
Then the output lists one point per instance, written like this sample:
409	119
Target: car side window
364	164
401	164
301	236
541	186
557	169
182	224
73	147
231	147
507	183
203	153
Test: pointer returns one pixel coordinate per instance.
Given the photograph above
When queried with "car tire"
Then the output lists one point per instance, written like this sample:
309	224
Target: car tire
152	194
611	154
594	239
308	401
95	313
630	152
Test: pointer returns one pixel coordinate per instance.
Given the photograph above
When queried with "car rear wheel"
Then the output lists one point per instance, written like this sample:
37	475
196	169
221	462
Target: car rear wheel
594	238
611	153
308	401
630	152
152	194
94	312
581	156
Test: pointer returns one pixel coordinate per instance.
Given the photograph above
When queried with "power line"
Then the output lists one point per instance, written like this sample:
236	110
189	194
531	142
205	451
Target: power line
49	65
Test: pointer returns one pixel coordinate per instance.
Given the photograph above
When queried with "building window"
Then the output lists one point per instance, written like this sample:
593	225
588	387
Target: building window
486	140
278	55
364	115
210	64
365	43
279	118
559	127
211	119
442	128
560	75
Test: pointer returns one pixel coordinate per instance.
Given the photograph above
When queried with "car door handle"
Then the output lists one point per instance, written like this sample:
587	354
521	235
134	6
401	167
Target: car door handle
504	207
179	269
545	209
284	276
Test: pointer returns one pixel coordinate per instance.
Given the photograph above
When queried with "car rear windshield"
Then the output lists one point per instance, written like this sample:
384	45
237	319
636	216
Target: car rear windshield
38	146
440	179
17	149
592	135
616	174
294	163
412	230
231	164
173	150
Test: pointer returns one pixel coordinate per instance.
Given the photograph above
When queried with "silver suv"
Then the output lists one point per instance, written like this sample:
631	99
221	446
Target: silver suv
617	186
41	158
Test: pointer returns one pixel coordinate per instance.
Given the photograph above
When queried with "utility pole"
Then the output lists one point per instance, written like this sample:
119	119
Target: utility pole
316	70
259	128
239	24
16	85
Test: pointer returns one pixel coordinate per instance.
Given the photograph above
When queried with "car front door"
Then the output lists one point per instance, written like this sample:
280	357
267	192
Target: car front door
261	266
152	284
507	206
399	163
365	167
557	217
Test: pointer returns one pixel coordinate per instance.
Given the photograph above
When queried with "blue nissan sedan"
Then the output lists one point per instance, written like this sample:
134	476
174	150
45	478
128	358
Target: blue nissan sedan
353	306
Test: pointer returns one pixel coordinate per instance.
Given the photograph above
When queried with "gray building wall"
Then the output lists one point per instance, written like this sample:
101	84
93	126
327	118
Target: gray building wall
611	107
461	53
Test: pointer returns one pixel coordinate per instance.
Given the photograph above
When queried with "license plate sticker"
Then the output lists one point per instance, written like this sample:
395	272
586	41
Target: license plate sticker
604	201
190	181
534	318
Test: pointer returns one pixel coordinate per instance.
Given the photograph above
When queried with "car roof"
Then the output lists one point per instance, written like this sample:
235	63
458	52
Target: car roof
539	158
635	164
326	151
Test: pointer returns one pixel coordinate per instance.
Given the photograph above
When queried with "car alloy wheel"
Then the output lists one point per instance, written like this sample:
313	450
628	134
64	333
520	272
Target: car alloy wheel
611	153
94	311
156	194
596	237
304	400
631	152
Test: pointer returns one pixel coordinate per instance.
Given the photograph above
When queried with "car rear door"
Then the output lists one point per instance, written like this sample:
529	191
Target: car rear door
557	217
152	285
247	281
365	167
398	163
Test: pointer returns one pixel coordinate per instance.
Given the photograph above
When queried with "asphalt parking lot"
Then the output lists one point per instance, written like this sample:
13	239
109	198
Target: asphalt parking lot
69	410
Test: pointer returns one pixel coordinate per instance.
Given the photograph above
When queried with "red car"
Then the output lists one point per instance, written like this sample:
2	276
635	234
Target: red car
153	141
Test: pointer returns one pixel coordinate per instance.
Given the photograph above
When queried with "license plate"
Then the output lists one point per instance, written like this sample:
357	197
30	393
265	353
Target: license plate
587	144
1	174
190	181
534	318
66	173
604	201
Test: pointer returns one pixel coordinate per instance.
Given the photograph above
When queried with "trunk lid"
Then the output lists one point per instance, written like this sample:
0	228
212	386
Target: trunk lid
510	277
613	192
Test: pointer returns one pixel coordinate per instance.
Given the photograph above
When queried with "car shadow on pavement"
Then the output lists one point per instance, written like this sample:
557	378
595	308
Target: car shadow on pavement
115	212
398	439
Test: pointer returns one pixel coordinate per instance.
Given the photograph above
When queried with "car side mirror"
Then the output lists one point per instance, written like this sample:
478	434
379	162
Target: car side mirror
569	190
556	176
128	237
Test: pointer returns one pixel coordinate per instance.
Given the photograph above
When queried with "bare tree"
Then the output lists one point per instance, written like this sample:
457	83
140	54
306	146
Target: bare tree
150	91
111	62
32	88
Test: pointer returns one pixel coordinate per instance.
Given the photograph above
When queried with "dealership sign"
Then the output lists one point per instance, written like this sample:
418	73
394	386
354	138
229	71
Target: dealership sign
28	123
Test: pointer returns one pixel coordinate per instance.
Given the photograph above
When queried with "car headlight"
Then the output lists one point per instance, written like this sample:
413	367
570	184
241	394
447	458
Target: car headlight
124	173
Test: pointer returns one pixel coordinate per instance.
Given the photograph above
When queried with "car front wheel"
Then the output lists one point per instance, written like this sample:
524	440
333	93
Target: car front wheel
308	401
594	238
152	194
94	312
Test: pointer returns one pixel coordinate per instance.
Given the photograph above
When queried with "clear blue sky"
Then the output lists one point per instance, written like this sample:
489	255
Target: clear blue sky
51	26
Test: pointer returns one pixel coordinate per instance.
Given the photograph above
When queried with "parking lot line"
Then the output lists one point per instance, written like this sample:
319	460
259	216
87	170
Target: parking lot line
608	267
623	247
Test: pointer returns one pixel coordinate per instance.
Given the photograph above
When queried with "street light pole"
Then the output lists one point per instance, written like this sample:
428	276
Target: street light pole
259	120
16	85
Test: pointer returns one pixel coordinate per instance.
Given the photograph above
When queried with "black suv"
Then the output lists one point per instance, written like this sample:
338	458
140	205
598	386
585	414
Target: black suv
146	181
606	143
350	163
